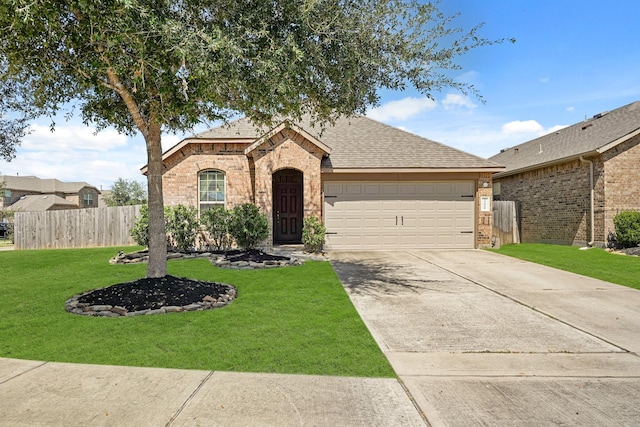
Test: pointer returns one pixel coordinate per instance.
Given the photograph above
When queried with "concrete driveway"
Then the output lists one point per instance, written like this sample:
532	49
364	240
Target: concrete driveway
483	339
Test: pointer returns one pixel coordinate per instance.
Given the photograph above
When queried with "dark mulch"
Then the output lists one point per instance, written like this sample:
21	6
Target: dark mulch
154	293
253	255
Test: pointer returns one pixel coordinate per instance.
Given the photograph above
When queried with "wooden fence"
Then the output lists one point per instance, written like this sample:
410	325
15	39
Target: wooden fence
506	221
75	228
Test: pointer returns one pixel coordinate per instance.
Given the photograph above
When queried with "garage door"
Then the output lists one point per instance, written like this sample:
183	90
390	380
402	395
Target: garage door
388	215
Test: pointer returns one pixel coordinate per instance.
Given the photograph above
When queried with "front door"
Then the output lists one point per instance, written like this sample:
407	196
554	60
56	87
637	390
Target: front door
287	206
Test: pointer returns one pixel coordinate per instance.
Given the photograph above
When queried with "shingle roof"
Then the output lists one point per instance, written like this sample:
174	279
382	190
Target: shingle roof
362	143
579	139
44	186
40	203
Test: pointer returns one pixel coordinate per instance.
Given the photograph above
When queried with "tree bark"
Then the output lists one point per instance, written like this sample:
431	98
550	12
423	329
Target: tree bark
157	266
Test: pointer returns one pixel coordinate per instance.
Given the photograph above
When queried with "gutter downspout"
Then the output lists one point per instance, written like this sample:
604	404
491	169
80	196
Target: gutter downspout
582	159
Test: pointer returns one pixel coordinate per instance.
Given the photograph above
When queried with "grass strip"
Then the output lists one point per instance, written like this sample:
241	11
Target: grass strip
597	263
293	320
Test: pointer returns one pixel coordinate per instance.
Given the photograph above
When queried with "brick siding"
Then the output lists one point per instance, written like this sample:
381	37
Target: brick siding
621	180
555	204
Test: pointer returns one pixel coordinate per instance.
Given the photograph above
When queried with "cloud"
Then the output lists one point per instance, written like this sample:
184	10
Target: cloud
571	109
402	109
72	137
518	127
454	101
545	80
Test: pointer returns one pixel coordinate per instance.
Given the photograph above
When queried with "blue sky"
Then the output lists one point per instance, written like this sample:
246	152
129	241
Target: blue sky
571	60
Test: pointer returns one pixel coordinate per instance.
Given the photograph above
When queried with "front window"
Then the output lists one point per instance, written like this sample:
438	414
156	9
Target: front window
211	190
87	199
7	197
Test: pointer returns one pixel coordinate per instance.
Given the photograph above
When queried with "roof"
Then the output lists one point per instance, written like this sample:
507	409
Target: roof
358	143
38	202
44	186
597	134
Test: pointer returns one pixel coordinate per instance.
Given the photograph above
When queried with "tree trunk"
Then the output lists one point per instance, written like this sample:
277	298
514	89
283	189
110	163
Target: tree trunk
157	236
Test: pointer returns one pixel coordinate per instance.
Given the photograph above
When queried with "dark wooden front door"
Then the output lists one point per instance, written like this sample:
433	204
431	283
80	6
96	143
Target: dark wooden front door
287	207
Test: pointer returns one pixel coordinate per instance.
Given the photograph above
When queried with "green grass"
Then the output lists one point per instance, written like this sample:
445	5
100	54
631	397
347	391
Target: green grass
296	320
596	263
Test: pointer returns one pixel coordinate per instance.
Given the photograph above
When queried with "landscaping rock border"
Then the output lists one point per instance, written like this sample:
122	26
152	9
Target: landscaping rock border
72	305
217	259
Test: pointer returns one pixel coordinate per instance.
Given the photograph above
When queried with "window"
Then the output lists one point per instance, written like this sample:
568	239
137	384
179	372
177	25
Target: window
7	197
87	199
496	190
211	190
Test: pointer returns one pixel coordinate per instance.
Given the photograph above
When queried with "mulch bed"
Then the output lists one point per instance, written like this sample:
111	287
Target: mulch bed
154	293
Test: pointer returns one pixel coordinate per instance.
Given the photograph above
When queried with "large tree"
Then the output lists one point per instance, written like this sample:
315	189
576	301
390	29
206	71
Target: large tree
154	66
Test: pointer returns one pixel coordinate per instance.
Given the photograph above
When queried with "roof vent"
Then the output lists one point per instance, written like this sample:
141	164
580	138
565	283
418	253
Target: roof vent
604	113
587	126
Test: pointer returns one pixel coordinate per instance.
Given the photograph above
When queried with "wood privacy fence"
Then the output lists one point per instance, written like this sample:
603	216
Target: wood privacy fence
75	228
506	221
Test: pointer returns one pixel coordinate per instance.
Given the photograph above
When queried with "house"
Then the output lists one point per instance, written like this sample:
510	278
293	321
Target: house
373	186
571	183
30	193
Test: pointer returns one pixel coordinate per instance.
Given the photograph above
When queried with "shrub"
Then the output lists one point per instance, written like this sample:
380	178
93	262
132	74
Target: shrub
182	226
248	226
313	234
627	225
140	230
217	223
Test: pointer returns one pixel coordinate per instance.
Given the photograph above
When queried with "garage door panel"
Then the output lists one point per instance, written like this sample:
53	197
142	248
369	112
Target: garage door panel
421	215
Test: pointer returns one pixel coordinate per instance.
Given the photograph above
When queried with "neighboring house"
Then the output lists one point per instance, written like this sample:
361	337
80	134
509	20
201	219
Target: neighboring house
554	176
373	186
30	193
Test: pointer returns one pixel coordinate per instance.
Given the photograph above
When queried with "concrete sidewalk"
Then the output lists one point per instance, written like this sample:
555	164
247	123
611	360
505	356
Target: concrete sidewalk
59	394
483	339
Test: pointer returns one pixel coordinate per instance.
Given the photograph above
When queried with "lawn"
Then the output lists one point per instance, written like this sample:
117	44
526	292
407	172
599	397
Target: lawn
295	320
596	263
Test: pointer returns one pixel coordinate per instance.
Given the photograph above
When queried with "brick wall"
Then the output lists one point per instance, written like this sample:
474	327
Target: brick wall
288	150
180	181
484	219
621	180
555	202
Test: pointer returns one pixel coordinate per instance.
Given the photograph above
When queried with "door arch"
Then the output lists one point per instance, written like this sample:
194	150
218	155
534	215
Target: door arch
288	206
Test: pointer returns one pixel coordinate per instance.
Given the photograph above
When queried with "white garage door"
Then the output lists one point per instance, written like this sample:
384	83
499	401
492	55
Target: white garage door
403	215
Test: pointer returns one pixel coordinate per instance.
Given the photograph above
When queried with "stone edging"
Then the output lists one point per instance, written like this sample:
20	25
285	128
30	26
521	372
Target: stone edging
218	260
72	305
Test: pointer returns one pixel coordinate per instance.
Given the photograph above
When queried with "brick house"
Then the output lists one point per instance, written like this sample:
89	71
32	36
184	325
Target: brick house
571	183
373	186
30	193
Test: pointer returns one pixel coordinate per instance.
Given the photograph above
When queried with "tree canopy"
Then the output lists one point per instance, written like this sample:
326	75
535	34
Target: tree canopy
154	66
126	192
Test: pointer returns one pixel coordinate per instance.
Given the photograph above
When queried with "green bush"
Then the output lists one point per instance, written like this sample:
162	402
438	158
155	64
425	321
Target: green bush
248	226
140	230
627	225
182	226
217	223
313	234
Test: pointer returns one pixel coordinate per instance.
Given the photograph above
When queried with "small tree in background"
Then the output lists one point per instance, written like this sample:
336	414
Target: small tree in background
125	192
248	226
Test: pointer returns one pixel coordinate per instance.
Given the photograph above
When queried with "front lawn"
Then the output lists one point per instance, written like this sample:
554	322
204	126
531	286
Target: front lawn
295	320
596	263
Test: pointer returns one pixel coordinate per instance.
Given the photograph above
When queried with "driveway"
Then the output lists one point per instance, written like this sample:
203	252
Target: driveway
478	338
